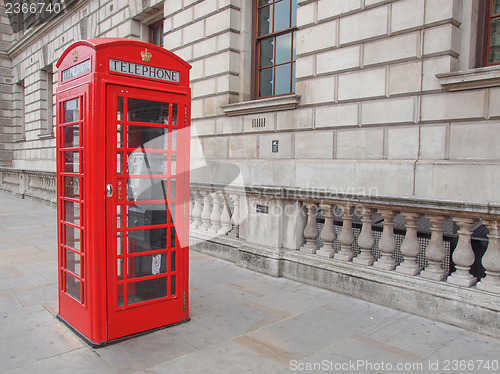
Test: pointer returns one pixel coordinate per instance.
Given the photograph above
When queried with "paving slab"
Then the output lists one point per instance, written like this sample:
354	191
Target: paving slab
241	322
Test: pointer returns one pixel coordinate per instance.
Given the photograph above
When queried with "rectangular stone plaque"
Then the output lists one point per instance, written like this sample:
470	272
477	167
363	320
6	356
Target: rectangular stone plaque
262	209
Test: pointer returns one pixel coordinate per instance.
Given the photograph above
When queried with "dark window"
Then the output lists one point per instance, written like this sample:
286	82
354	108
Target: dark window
488	35
493	54
275	31
156	33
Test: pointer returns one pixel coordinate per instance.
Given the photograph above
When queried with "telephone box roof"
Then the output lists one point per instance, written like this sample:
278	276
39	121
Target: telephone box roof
103	43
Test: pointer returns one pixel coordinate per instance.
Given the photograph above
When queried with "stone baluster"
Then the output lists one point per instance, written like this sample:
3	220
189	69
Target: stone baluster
491	260
410	247
328	232
205	214
216	213
225	218
191	207
311	230
463	255
346	235
197	209
387	242
366	240
435	251
235	217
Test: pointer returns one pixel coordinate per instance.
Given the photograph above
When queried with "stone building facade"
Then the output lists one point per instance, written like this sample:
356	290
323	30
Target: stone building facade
389	120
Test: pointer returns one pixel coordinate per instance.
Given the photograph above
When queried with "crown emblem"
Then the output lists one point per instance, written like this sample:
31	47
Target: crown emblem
146	56
75	56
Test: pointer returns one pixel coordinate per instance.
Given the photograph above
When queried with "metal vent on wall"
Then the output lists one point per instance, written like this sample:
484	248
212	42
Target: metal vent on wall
258	122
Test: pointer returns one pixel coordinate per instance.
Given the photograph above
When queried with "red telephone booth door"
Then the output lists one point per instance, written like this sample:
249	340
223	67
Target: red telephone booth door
145	209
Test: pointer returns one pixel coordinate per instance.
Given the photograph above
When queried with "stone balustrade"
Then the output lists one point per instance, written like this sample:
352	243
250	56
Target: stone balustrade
439	259
35	185
415	238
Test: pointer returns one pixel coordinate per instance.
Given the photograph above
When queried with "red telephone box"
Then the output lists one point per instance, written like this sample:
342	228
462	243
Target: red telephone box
122	188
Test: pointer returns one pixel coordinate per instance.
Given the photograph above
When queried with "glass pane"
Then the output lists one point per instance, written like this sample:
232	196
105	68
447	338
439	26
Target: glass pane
119	216
147	111
119	243
72	212
148	137
71	110
173	134
119	163
120	295
294	46
173	187
157	40
147	290
146	240
264	2
173	242
71	136
173	262
266	82
72	237
72	162
267	52
173	164
146	215
73	287
494	52
173	285
281	15
495	7
146	189
175	112
265	20
283	48
119	109
72	187
147	163
172	212
294	79
143	266
74	263
283	79
293	22
119	269
119	136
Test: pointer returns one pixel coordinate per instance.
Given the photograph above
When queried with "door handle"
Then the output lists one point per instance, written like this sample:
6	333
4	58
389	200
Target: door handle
109	190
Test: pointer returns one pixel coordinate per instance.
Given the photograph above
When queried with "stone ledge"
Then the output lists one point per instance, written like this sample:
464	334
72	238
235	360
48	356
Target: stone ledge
468	308
272	104
469	79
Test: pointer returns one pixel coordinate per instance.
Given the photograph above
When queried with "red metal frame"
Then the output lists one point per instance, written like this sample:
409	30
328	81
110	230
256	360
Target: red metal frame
96	315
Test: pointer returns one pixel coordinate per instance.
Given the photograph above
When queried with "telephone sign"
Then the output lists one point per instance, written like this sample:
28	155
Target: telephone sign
122	188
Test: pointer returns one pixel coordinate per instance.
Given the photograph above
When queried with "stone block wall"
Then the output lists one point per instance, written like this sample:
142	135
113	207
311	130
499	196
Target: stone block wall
372	113
369	112
31	52
7	129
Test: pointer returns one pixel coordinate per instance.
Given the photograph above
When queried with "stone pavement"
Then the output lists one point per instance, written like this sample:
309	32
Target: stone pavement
241	322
